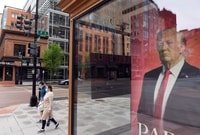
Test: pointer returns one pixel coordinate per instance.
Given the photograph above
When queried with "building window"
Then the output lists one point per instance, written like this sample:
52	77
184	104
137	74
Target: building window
19	49
13	15
105	45
88	41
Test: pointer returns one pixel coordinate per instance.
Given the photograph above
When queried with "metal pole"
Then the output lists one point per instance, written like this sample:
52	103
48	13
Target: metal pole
20	72
20	82
43	75
33	100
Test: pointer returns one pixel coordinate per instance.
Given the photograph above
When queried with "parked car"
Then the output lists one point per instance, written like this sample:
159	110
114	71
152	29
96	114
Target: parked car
64	82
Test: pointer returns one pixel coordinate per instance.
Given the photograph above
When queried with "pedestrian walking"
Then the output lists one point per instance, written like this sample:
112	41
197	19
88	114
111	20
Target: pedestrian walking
42	92
48	112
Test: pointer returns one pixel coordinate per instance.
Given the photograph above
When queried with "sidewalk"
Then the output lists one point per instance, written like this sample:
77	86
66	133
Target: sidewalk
107	116
23	120
104	116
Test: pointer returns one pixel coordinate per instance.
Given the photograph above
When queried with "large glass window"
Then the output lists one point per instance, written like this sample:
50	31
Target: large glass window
122	50
102	72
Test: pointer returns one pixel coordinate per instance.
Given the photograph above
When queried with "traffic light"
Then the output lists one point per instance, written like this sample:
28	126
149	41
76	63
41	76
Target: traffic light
32	49
27	25
19	22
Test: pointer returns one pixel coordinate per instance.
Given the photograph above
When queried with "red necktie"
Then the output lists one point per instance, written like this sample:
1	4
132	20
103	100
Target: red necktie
161	92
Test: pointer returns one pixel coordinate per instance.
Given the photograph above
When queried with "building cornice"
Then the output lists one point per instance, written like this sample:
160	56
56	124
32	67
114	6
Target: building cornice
20	33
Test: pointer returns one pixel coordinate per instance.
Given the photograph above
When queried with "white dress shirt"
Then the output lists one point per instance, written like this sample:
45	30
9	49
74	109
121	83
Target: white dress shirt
171	81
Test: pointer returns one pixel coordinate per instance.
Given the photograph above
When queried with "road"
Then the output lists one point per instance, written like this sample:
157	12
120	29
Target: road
14	95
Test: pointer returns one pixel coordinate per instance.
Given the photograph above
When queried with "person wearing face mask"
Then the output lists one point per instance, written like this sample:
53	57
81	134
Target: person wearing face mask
171	92
48	112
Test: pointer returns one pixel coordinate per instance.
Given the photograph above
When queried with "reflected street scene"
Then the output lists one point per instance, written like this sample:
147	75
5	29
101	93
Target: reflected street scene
135	66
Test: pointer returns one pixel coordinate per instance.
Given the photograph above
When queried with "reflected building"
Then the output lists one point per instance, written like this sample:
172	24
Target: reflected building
192	45
146	20
96	49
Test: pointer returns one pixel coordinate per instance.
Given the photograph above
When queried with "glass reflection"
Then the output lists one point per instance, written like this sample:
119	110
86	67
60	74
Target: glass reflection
116	47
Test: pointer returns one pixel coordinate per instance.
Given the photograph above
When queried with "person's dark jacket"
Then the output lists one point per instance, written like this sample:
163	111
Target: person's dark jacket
42	92
183	105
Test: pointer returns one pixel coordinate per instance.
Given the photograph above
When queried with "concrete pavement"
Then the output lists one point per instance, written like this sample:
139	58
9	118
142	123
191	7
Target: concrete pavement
18	118
108	116
23	120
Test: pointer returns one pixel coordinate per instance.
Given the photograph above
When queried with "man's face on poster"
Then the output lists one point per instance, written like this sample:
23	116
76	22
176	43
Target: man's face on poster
170	49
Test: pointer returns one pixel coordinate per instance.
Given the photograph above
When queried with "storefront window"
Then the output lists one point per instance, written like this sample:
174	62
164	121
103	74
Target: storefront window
122	51
8	73
1	72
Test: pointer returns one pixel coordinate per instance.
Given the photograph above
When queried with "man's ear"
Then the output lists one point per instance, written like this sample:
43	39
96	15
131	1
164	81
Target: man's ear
182	48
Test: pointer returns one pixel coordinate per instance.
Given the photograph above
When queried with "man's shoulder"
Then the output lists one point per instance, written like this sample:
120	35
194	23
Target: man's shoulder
153	73
190	67
190	70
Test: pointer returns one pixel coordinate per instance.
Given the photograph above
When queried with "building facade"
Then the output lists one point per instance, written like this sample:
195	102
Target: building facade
16	63
57	27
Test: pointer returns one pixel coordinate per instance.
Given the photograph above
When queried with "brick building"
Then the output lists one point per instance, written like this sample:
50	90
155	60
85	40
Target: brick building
15	62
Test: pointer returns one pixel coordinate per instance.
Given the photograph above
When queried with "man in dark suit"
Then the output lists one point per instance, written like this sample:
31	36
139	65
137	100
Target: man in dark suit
181	100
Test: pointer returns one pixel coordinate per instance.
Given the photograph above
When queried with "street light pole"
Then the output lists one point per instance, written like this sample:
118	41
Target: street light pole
20	57
33	100
43	75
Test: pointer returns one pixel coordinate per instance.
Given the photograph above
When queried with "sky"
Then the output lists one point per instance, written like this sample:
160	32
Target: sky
187	12
12	3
